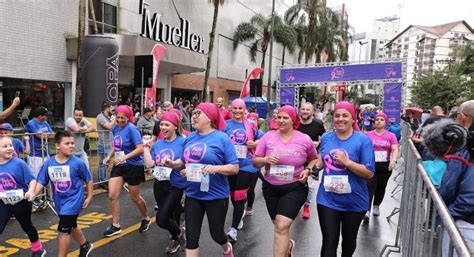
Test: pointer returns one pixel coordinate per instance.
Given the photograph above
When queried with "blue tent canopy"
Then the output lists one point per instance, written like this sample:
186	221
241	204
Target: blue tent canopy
260	103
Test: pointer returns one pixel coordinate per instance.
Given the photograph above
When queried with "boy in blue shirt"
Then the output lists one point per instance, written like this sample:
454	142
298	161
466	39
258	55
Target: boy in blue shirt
67	174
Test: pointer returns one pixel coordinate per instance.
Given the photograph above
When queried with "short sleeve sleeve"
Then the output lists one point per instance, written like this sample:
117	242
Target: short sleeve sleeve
27	173
368	156
230	156
43	177
85	172
135	136
261	149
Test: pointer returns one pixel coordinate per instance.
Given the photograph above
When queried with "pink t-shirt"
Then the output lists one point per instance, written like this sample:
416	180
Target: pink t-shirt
293	156
382	143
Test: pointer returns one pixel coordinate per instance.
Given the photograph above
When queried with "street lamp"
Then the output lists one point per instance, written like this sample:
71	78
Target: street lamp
360	47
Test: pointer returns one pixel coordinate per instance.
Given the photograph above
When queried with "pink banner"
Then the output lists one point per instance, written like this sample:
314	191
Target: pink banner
150	94
255	74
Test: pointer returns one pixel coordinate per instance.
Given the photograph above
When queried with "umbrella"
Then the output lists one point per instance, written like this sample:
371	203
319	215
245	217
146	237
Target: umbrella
415	111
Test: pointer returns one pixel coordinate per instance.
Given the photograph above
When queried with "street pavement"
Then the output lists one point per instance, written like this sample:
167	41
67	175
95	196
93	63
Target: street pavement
255	239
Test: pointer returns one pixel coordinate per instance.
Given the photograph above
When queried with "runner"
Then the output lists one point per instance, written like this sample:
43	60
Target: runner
343	197
243	135
284	152
17	183
253	117
67	174
209	157
127	160
169	184
314	128
386	154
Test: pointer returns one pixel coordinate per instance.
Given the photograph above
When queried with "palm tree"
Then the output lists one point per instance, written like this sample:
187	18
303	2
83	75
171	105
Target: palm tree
205	91
258	31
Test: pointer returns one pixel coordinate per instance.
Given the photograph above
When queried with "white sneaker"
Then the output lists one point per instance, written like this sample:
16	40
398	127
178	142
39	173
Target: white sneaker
232	235
241	223
376	210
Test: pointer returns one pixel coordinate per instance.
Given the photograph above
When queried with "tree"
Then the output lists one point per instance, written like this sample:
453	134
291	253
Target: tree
80	33
258	32
205	91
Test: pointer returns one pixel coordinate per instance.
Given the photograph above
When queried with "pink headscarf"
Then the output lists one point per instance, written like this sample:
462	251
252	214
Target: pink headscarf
383	115
177	112
238	103
291	111
212	112
127	111
171	117
252	115
348	106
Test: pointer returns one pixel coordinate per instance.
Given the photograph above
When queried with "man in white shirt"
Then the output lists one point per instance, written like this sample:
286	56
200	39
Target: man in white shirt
79	126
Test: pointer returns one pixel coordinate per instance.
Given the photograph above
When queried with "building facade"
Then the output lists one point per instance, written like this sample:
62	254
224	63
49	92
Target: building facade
37	48
426	49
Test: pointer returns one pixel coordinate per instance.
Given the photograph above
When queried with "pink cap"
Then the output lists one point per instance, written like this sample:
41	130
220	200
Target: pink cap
348	106
291	111
212	112
383	115
252	115
171	117
127	111
238	103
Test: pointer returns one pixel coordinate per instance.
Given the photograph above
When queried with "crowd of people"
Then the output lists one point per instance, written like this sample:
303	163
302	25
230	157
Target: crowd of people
208	155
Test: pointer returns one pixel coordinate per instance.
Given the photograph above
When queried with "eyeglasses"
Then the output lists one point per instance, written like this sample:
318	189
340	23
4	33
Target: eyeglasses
196	113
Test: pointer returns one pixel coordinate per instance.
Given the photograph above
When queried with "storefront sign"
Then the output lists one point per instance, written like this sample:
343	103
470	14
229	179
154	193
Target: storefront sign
153	28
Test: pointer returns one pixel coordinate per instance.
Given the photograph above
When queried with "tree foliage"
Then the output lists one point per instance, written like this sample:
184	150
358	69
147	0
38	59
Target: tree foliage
448	87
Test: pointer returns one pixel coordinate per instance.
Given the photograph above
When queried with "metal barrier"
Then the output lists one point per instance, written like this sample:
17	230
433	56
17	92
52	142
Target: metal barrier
423	216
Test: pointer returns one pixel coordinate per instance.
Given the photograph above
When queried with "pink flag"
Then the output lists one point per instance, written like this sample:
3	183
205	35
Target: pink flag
150	95
255	74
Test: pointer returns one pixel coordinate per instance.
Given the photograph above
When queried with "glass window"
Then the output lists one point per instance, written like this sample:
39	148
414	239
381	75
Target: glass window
105	16
110	18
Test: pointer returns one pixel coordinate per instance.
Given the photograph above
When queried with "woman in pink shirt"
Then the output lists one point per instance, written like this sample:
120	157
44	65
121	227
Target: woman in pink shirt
284	153
386	154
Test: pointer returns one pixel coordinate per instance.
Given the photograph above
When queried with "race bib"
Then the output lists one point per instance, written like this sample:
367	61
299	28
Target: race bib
12	197
381	156
118	154
59	173
241	151
194	172
162	173
282	172
338	184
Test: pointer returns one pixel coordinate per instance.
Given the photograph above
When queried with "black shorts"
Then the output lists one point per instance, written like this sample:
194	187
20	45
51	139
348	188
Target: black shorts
285	200
133	175
67	223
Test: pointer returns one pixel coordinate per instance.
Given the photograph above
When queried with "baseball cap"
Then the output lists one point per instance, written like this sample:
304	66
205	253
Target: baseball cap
6	126
41	111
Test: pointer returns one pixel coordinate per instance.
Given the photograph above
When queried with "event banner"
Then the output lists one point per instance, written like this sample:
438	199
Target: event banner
392	101
371	71
150	94
287	96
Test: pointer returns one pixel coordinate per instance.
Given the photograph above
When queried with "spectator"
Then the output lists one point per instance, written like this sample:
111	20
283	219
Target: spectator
167	105
105	123
146	123
42	131
79	126
224	112
185	113
9	111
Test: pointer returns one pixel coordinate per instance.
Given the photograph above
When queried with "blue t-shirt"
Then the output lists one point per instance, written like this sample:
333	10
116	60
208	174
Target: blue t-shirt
67	179
34	126
15	174
18	146
126	139
360	150
173	150
238	136
368	119
214	148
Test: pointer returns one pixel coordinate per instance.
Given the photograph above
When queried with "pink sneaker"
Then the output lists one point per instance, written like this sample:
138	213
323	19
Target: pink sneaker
229	252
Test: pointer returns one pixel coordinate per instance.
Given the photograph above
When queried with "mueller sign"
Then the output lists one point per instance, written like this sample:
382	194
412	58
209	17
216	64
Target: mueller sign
153	28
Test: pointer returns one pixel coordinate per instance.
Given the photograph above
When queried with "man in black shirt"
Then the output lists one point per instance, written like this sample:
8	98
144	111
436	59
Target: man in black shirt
314	128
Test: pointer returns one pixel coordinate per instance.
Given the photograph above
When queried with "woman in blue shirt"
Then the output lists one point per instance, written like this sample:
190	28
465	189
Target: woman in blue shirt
209	157
169	184
347	157
126	157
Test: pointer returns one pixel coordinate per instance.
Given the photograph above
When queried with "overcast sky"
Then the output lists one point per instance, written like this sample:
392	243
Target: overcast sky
362	13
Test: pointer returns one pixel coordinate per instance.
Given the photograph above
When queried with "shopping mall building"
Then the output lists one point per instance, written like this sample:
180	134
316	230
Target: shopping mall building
38	46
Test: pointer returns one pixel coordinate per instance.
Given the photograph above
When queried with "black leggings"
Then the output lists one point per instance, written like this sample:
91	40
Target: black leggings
330	222
378	183
168	199
251	192
22	213
239	185
216	211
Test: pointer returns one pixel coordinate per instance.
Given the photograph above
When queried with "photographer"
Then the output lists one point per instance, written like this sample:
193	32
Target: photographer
457	184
